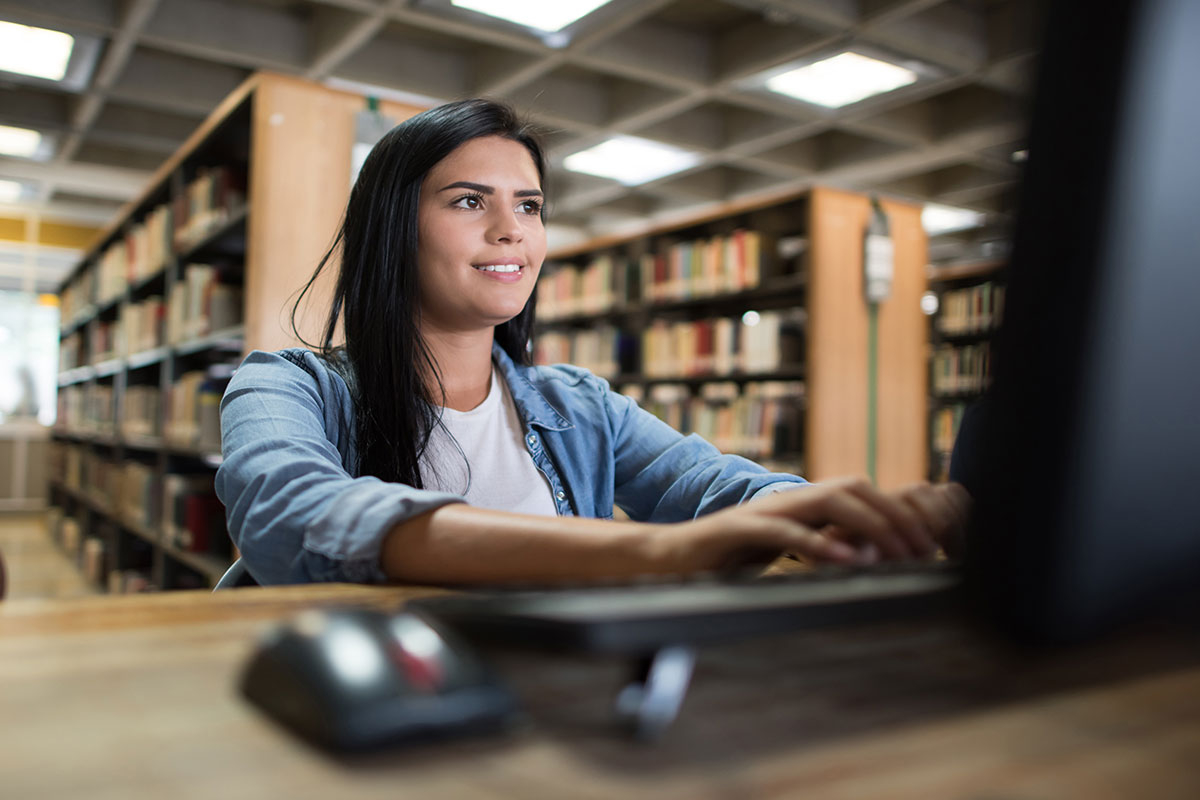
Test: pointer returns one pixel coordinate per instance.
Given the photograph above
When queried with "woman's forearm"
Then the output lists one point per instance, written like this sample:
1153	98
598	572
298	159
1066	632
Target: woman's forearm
458	544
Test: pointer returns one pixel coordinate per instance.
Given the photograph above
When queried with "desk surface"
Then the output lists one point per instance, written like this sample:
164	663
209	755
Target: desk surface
129	697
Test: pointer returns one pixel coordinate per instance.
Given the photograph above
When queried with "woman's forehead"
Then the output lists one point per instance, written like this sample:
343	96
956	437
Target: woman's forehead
488	158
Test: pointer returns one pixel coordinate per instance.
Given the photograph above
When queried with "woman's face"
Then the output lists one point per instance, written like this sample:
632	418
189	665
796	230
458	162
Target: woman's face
481	239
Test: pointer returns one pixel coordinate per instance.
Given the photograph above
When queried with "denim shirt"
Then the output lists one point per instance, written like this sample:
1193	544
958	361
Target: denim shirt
299	511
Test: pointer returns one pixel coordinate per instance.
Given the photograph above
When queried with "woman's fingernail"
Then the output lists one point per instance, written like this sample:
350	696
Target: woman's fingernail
842	551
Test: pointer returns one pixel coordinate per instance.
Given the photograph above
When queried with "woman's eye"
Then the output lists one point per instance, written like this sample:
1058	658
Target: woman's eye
531	207
471	201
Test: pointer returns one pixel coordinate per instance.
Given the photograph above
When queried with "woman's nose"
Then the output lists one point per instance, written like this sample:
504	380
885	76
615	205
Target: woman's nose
504	226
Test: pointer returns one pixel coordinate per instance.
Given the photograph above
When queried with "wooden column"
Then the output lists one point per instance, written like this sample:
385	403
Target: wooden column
299	182
836	422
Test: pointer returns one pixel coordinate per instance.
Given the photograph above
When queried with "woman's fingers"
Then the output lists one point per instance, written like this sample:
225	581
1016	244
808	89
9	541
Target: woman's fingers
859	513
848	521
944	508
906	521
859	521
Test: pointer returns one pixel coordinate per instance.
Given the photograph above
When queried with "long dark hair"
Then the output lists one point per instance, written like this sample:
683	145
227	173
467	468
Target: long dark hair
393	378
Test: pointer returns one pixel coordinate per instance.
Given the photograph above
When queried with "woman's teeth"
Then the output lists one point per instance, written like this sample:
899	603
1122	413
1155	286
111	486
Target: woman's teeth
500	268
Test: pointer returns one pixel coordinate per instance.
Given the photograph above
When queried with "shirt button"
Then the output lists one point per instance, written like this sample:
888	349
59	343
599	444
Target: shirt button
531	439
560	494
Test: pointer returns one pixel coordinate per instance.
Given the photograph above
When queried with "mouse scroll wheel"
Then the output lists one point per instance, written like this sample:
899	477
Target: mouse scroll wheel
423	673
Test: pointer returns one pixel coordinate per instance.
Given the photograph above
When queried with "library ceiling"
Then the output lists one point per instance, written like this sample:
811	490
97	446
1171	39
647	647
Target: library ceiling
688	73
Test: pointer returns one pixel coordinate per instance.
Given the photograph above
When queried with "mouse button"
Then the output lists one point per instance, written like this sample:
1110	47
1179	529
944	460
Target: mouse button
431	658
354	650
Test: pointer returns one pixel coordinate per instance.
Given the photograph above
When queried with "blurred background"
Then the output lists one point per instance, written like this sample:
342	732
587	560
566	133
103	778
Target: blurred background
697	103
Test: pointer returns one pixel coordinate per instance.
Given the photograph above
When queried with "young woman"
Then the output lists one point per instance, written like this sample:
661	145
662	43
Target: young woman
427	450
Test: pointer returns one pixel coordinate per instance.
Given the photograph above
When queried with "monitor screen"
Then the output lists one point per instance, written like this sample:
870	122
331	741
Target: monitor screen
1087	455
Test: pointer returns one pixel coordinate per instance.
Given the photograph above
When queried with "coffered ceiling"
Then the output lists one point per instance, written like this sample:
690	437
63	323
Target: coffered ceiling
684	72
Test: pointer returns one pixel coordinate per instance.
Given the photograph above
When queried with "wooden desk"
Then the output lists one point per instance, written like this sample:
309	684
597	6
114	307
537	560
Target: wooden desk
131	697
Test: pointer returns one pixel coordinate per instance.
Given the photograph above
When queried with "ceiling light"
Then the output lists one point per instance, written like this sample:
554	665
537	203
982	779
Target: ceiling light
34	51
840	80
10	191
937	219
631	160
20	142
544	15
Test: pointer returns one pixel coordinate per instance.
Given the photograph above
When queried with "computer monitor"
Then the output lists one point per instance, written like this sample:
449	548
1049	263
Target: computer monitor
1087	461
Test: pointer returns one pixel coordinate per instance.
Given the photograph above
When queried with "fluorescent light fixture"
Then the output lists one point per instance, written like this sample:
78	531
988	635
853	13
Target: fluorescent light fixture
34	51
937	219
631	160
544	15
20	142
10	191
840	80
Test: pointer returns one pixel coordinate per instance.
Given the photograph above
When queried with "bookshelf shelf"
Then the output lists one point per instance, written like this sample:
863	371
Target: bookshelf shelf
967	337
784	373
970	305
965	271
193	273
141	285
76	375
147	358
656	308
145	443
209	243
140	531
784	292
227	340
208	566
108	367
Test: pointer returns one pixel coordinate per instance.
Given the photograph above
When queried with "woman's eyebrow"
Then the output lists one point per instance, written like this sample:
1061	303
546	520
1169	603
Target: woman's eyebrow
485	189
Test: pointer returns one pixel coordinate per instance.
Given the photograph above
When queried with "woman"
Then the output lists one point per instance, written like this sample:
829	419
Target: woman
426	450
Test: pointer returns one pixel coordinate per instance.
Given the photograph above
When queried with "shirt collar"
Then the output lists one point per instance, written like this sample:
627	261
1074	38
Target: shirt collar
531	404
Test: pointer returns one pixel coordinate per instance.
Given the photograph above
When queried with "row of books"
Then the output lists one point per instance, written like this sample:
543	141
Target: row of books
141	252
71	353
971	310
961	370
946	422
209	201
86	408
697	268
753	343
76	297
179	510
760	420
193	408
187	417
203	301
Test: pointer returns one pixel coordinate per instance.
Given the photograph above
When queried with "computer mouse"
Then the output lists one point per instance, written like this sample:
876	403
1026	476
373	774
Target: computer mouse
355	679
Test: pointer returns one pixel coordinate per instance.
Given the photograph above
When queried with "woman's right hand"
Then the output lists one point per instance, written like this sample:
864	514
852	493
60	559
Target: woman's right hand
841	521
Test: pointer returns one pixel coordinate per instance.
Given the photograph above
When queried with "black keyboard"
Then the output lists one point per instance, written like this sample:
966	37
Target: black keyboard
642	617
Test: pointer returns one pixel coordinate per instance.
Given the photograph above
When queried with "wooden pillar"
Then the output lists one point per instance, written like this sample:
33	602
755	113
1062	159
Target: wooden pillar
836	422
301	137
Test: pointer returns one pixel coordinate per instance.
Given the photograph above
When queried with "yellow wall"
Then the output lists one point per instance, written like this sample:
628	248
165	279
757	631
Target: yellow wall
50	234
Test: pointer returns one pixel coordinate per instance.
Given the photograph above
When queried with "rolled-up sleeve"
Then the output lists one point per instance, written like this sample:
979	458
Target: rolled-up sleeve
293	510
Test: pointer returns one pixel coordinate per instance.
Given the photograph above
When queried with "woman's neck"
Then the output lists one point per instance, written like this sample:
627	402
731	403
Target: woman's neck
465	363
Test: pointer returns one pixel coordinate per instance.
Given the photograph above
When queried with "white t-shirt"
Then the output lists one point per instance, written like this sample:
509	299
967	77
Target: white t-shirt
489	437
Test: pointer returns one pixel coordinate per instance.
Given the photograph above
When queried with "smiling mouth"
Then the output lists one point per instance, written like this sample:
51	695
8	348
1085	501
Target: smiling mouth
499	268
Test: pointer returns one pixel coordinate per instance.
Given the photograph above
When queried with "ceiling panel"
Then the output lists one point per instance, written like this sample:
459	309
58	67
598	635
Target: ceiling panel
687	72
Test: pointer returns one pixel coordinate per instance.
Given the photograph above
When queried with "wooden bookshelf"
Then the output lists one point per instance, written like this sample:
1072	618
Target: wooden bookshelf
809	277
970	305
255	193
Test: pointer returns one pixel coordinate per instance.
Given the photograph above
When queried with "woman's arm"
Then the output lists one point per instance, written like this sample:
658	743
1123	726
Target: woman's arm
295	512
841	521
